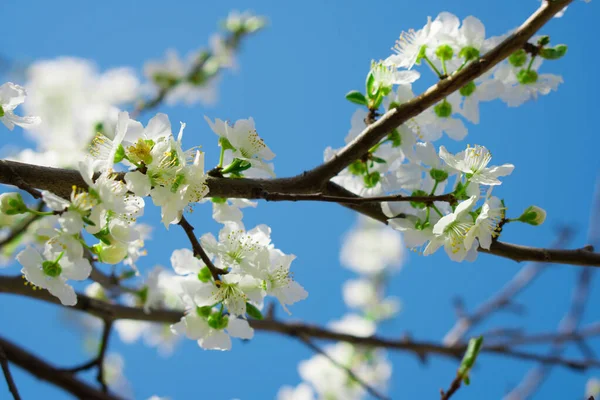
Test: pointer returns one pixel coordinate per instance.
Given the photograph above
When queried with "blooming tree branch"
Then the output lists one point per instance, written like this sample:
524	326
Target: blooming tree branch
389	170
14	285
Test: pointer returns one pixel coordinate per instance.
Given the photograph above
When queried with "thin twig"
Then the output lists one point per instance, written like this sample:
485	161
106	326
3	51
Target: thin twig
232	41
49	373
570	322
504	296
355	200
372	391
199	251
98	361
102	355
568	325
12	387
454	386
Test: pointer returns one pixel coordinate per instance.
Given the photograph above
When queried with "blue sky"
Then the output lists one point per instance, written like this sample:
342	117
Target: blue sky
292	80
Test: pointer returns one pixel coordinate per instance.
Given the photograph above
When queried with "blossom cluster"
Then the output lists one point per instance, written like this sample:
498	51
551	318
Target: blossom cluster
254	269
124	167
406	160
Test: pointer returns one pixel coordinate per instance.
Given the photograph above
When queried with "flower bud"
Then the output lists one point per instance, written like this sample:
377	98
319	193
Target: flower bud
203	312
372	179
204	275
533	215
358	167
527	77
518	58
218	321
438	175
443	109
444	52
112	254
12	203
469	53
468	89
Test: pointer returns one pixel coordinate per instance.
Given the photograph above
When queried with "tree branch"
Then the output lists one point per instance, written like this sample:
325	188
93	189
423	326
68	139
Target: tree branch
397	116
355	199
569	324
199	251
103	309
454	386
233	41
372	391
12	387
57	180
46	372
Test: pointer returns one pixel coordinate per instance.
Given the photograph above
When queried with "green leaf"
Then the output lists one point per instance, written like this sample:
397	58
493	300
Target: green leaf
254	312
372	179
544	40
356	97
358	167
369	84
469	358
395	138
88	221
554	53
236	167
119	154
204	275
127	275
378	160
204	312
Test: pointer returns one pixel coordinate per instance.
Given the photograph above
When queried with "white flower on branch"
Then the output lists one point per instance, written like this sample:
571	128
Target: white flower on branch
11	96
196	326
473	162
52	271
243	140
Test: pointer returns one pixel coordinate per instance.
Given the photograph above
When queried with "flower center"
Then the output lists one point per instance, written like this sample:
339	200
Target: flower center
51	268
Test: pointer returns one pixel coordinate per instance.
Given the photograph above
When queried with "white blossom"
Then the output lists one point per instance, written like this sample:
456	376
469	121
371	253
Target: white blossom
52	271
473	162
11	96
